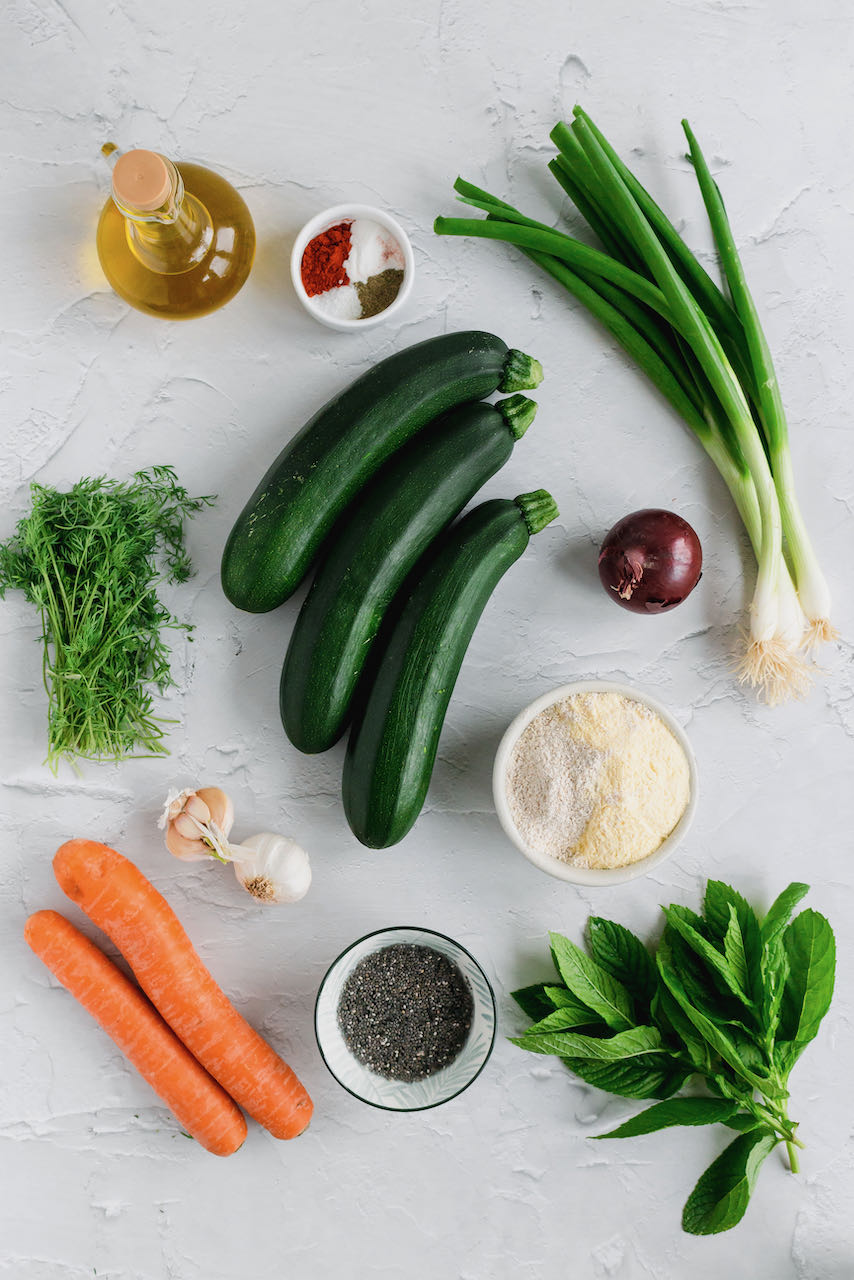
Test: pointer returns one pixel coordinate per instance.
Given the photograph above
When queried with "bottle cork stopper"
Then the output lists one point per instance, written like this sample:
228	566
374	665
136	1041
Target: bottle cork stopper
141	179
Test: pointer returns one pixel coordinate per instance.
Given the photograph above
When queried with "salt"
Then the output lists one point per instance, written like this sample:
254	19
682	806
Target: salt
342	303
372	250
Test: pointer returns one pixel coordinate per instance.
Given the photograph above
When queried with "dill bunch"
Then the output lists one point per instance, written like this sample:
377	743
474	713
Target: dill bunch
90	560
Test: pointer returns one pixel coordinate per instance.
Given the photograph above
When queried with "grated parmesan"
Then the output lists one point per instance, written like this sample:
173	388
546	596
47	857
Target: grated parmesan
597	779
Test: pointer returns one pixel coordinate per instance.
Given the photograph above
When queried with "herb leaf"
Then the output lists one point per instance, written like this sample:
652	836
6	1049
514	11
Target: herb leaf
731	1000
811	951
563	1019
90	560
678	1111
734	950
592	984
781	910
654	1075
721	1196
720	900
775	971
624	956
534	1000
719	1039
669	1017
561	998
617	1048
709	954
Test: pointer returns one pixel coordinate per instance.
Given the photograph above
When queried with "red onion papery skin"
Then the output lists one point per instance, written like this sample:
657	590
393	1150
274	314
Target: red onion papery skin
650	561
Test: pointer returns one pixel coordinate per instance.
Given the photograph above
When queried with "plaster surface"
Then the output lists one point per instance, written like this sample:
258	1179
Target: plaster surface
304	105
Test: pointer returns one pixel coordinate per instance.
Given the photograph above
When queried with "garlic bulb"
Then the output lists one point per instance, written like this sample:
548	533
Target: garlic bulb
197	824
272	868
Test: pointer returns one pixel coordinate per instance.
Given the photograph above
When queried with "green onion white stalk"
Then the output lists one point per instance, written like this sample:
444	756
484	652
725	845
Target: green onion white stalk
705	352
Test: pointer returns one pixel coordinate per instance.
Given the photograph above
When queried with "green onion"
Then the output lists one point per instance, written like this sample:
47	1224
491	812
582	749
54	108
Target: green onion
811	584
703	350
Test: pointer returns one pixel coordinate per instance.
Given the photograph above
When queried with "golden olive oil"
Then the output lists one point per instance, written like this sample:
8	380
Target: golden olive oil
187	255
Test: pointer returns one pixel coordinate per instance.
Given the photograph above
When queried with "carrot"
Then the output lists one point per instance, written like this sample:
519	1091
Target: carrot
118	898
202	1107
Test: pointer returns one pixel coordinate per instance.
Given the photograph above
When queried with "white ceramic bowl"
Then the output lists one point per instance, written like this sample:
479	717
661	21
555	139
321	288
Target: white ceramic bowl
399	1095
566	870
346	213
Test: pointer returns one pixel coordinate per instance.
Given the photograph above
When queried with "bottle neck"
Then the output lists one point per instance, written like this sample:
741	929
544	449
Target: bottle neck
172	238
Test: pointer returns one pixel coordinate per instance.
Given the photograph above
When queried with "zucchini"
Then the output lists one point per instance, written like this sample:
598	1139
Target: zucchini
279	532
389	527
393	746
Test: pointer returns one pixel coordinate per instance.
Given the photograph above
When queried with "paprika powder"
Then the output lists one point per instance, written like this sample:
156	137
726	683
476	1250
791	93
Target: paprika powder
323	261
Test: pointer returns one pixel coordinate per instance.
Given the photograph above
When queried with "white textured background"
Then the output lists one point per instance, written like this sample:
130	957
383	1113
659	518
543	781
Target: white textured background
303	105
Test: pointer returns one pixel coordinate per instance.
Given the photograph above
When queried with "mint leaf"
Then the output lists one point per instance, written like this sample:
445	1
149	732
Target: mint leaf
625	957
781	909
719	1039
811	952
654	1075
734	952
678	1111
721	1196
561	998
719	900
786	1054
563	1019
592	984
702	987
533	1000
743	1122
690	917
569	1044
711	957
671	1021
775	972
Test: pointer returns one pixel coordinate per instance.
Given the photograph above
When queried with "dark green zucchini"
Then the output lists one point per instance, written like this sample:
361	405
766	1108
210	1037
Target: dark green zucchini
393	745
381	537
280	530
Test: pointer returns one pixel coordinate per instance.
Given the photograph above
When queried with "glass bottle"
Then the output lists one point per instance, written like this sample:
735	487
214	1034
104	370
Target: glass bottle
174	240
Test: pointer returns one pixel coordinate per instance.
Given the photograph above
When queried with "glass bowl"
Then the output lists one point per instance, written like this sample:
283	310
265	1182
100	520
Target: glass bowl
399	1095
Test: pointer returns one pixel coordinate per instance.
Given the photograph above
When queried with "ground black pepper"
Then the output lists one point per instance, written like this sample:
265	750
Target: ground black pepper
405	1011
379	291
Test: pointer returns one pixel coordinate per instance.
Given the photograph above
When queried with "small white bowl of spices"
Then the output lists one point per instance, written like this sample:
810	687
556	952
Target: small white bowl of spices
595	783
352	266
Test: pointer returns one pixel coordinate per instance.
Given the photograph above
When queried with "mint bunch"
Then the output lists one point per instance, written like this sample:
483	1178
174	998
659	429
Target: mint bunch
729	997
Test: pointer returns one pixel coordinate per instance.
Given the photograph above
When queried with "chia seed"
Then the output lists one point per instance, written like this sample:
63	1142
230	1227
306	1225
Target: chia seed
405	1011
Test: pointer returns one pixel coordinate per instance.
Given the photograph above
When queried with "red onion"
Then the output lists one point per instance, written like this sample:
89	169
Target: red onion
650	561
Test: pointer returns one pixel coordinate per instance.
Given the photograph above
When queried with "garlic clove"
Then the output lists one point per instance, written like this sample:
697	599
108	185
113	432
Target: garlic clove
274	868
185	826
221	810
196	808
175	802
197	824
189	850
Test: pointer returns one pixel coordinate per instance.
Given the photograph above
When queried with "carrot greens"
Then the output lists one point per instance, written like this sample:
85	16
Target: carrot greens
705	351
89	559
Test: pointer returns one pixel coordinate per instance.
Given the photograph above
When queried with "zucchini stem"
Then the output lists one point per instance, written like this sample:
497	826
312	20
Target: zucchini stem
518	412
521	372
538	509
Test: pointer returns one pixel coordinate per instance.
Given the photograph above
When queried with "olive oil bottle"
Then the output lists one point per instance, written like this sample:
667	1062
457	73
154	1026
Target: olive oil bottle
174	240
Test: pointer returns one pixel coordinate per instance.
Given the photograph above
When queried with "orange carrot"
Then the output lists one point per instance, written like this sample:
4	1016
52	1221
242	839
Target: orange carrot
118	898
203	1108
